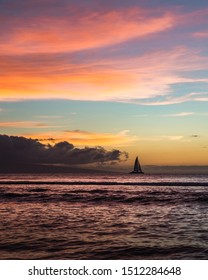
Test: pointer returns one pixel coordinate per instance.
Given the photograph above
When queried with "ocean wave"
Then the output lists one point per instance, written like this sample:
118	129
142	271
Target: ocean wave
108	183
97	196
104	252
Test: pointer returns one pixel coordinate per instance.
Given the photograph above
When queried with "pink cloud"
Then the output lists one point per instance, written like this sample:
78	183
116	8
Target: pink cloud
92	30
203	34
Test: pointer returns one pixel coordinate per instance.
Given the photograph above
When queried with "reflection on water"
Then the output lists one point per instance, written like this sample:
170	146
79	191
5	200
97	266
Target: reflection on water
80	221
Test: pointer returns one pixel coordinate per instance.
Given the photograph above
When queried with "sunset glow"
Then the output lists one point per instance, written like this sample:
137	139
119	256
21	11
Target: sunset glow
128	75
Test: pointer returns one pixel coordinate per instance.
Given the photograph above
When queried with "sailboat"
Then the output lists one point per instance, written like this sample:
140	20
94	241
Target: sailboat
137	167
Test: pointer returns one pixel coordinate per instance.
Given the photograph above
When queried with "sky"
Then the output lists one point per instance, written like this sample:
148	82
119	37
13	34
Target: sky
126	76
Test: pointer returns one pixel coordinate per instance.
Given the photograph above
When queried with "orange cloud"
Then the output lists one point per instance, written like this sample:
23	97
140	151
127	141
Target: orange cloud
25	124
36	62
92	30
123	79
85	138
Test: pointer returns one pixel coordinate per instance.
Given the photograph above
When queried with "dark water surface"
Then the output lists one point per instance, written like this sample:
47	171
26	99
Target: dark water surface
103	217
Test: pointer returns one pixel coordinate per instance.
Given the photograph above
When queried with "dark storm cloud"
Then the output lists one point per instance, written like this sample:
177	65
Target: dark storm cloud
17	150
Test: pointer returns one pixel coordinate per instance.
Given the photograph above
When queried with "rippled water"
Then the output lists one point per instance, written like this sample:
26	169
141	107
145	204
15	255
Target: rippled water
103	217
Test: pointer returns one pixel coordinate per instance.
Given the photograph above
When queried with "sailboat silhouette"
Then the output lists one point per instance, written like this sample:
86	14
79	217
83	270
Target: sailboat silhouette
137	167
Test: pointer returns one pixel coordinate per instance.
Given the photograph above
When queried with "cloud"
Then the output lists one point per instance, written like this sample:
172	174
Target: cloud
123	79
162	138
25	124
185	114
203	34
181	114
83	138
67	51
168	100
78	29
48	117
17	150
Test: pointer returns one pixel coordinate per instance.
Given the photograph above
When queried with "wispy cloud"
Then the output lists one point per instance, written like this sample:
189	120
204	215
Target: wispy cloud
78	31
162	138
181	114
122	80
184	114
48	117
25	124
141	115
203	34
168	100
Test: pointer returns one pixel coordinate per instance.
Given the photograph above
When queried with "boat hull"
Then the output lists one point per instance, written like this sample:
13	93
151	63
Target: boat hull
135	172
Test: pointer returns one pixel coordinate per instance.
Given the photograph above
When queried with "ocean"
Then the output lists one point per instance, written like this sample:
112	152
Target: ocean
103	216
